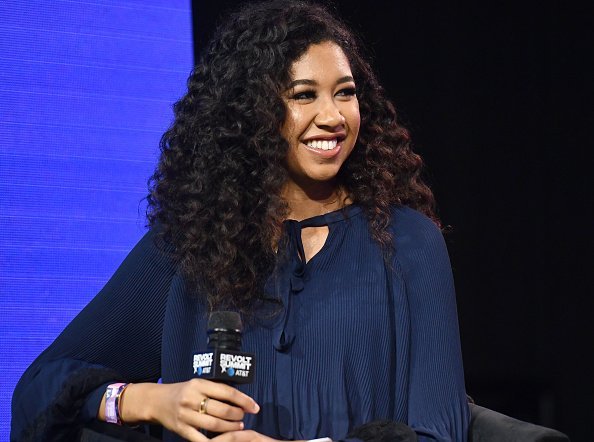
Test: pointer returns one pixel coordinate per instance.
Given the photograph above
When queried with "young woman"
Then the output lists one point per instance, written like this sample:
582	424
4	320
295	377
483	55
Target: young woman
286	191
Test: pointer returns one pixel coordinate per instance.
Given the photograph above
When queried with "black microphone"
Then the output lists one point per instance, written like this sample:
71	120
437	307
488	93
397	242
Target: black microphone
224	361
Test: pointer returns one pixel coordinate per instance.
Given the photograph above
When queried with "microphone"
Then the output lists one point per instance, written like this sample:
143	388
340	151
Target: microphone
224	361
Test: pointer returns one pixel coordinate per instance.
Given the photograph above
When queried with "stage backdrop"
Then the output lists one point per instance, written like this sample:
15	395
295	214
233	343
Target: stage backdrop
86	92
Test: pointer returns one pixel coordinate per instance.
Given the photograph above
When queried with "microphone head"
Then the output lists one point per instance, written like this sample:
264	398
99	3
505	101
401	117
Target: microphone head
224	361
225	320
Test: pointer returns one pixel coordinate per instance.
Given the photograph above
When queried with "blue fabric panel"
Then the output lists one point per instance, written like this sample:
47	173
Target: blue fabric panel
86	90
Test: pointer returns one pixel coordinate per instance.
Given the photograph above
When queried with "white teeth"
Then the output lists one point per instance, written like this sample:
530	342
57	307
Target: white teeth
322	144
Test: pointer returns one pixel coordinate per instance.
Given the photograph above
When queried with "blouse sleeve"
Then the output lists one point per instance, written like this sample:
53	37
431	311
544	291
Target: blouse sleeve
436	404
116	337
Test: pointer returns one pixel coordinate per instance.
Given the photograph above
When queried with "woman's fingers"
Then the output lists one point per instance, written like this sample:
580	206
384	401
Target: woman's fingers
225	393
187	407
190	421
191	434
242	436
245	436
222	410
212	423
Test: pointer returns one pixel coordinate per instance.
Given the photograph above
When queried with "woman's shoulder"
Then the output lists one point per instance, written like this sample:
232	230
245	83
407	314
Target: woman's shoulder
416	238
153	250
410	223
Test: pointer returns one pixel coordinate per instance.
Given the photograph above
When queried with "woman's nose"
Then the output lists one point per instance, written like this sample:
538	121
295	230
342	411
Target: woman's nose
329	114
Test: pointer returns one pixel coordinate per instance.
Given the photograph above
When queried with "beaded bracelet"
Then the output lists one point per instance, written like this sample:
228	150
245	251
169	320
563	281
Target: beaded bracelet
113	395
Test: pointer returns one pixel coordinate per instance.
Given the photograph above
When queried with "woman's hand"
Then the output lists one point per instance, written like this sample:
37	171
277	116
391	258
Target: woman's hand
246	436
187	407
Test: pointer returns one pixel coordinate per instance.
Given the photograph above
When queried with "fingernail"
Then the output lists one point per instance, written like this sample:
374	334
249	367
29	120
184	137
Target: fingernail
256	407
241	425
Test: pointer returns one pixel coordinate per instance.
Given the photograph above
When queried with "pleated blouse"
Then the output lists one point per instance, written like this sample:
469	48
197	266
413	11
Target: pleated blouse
358	337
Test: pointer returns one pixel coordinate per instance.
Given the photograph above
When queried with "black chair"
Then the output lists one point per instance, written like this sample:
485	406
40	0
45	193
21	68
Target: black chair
490	426
485	426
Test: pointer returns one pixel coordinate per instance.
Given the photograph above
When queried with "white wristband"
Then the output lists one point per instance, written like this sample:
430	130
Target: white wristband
323	439
112	395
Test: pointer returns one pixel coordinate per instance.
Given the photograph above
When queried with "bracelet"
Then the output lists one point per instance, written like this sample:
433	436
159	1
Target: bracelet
113	396
118	403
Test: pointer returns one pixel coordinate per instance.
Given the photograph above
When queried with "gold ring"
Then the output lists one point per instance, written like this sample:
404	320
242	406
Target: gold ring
203	404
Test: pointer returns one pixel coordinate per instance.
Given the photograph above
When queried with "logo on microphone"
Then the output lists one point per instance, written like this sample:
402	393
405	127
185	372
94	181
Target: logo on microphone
202	363
235	365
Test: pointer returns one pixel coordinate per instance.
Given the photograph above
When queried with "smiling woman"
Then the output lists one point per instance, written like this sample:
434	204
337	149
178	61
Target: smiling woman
322	122
321	127
287	191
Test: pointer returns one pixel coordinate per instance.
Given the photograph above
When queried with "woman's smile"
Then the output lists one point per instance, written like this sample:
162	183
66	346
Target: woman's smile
325	147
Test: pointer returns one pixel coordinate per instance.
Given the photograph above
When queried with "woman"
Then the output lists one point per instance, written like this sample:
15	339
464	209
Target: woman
287	191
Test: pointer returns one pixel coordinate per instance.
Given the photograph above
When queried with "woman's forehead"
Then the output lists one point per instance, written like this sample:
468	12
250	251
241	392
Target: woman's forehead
319	61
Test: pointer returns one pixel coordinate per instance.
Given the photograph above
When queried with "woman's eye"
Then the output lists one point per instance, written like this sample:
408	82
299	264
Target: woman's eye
347	92
305	95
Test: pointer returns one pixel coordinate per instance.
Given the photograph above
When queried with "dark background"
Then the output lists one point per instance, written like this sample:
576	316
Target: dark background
499	100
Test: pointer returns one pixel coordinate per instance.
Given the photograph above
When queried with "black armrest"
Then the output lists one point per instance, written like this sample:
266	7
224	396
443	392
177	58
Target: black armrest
490	426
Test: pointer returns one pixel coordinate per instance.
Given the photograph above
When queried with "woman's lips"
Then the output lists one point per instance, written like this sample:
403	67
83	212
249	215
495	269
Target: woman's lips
325	153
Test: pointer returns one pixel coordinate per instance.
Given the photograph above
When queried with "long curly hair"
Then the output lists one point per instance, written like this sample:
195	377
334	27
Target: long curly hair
216	191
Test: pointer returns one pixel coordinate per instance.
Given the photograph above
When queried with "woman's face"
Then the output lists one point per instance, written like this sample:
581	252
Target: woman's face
323	119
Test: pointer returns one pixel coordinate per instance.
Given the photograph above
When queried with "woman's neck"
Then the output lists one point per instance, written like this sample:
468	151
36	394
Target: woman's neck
321	200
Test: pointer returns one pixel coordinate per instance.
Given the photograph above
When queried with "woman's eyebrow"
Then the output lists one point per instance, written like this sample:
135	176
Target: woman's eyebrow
307	82
345	79
294	83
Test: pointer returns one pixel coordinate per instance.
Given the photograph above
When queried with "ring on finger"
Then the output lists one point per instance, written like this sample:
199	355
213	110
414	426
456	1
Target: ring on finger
203	405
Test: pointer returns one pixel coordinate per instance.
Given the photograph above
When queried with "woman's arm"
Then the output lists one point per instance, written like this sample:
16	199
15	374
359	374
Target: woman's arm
116	337
437	406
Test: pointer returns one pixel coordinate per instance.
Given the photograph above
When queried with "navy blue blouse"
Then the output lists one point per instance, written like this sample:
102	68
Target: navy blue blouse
358	338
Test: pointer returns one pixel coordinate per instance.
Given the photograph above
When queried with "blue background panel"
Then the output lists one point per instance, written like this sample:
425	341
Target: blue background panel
86	90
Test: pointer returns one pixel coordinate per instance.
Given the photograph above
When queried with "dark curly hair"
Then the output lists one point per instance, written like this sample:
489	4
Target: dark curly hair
216	191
